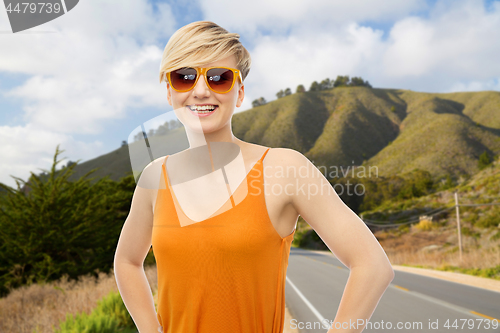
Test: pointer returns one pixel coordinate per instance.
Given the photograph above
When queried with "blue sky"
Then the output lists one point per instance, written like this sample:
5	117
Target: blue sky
94	79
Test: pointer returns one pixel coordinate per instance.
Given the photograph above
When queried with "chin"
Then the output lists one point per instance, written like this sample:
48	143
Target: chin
211	129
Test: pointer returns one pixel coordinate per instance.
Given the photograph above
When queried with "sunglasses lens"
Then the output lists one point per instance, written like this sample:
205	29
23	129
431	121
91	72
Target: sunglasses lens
220	79
183	79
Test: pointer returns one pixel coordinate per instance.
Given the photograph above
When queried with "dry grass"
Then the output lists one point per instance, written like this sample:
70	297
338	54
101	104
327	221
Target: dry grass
437	247
42	306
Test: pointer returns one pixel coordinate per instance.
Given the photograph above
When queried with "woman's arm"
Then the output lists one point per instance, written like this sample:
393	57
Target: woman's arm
132	248
347	236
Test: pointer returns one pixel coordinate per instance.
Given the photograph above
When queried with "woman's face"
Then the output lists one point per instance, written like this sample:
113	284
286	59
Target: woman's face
202	95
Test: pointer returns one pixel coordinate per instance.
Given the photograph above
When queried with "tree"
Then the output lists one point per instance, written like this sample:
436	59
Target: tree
174	123
58	227
341	81
288	91
417	183
314	86
167	127
357	82
446	183
484	160
300	89
258	102
326	84
280	93
140	136
163	129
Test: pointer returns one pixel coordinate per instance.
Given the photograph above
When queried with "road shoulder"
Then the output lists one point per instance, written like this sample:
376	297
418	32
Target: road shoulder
470	280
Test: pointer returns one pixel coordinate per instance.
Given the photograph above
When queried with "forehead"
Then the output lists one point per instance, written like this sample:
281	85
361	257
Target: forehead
229	61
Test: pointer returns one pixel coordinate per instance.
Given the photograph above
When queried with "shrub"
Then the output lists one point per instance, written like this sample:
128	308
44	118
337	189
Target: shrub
309	239
417	183
489	221
404	228
424	225
53	226
83	323
110	316
484	160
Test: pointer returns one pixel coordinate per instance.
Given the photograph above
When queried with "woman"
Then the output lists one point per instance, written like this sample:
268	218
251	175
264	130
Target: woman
222	263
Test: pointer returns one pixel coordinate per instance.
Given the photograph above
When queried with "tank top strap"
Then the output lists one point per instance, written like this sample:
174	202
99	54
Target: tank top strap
262	158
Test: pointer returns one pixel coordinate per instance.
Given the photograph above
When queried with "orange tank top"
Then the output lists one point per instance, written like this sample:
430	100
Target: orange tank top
225	274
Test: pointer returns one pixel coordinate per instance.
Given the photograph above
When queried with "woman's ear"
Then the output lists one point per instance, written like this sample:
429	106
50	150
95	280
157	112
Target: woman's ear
241	96
169	97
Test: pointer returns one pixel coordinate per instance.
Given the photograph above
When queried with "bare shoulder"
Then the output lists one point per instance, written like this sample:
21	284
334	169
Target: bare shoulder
150	175
149	182
287	165
283	157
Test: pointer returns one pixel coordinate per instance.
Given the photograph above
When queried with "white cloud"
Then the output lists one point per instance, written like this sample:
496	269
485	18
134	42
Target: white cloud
476	85
459	42
278	63
409	52
102	57
101	60
299	15
27	148
299	42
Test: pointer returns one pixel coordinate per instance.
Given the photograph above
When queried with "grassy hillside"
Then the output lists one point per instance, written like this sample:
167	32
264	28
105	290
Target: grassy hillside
360	125
117	163
437	135
294	122
395	130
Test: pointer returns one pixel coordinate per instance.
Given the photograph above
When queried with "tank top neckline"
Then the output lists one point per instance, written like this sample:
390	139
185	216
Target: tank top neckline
172	195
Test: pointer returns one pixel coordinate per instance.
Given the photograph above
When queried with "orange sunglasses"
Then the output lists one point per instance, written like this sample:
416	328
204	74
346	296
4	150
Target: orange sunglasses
219	79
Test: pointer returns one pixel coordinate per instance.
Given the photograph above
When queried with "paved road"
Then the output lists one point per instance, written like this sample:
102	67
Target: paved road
315	283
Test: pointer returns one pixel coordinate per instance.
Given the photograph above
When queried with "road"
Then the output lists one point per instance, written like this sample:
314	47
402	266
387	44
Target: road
315	283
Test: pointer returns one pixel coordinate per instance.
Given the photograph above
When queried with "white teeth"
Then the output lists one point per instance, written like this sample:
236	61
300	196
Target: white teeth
203	109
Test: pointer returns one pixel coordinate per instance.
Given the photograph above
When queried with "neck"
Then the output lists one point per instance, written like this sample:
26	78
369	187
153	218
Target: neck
199	138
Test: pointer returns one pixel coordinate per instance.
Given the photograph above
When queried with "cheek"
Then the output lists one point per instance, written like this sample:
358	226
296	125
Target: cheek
178	99
229	102
233	98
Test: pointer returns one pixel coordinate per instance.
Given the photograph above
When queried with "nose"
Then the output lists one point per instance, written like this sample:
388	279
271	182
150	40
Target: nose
201	90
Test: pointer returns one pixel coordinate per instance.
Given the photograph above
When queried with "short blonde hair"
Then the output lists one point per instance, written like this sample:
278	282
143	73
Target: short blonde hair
200	43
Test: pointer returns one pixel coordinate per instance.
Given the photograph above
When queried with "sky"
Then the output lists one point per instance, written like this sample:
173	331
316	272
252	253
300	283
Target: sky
87	79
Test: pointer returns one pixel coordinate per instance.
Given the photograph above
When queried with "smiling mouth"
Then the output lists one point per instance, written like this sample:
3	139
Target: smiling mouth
202	109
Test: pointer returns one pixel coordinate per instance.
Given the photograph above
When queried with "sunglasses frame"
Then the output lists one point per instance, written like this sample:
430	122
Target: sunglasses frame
203	71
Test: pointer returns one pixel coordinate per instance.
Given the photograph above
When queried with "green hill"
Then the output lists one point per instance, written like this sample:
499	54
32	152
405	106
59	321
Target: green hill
438	137
395	130
117	164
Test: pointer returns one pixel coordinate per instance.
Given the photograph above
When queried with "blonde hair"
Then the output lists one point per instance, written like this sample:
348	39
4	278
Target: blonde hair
200	43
